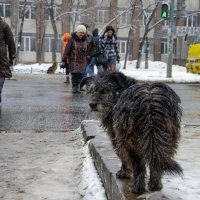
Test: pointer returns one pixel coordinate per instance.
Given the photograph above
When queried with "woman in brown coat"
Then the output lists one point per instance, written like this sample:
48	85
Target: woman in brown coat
6	42
77	52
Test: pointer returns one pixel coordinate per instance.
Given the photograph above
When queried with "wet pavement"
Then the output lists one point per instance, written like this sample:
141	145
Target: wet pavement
42	152
40	142
41	102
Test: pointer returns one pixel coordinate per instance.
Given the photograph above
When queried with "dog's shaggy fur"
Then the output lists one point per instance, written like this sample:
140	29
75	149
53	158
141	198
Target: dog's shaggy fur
143	122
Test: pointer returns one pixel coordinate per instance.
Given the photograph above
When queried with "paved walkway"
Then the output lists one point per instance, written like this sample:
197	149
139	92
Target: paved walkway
175	188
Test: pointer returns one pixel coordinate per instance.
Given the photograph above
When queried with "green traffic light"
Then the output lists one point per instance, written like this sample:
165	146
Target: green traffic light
164	15
164	11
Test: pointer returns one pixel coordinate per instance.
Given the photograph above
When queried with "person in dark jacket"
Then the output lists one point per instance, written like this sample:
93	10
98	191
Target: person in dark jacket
90	67
108	47
6	42
77	52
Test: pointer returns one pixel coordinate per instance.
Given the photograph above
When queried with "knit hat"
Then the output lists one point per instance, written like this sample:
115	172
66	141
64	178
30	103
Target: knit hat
81	28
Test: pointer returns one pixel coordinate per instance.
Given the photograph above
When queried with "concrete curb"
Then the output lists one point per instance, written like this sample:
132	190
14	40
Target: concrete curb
105	161
107	164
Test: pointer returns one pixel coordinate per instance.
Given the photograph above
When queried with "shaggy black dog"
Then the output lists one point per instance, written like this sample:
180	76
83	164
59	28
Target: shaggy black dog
143	122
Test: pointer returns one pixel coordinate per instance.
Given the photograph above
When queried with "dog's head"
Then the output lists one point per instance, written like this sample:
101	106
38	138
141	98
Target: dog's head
105	89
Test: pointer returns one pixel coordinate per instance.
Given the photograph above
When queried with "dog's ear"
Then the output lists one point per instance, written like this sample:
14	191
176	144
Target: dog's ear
86	81
122	80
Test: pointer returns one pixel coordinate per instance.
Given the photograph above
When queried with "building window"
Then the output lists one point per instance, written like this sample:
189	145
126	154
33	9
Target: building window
5	10
28	43
77	15
122	46
164	47
49	45
102	16
123	19
47	13
191	21
30	12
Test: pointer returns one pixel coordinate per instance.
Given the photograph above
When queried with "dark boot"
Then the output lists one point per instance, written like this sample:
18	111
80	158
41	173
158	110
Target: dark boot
75	89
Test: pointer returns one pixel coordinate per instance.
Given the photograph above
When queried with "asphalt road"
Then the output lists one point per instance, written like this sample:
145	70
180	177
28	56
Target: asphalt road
41	103
45	102
41	147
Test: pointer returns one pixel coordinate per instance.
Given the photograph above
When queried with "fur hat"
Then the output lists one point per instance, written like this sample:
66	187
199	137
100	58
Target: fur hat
81	28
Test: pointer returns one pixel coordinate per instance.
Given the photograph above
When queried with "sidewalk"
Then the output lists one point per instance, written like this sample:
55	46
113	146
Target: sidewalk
174	188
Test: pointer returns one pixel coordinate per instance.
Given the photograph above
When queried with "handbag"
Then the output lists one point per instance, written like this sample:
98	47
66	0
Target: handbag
102	58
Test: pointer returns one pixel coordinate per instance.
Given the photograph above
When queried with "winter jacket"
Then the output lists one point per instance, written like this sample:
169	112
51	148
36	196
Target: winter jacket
95	36
91	47
6	42
77	52
109	46
65	39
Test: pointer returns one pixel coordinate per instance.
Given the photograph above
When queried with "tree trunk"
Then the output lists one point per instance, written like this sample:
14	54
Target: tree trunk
15	18
66	7
157	40
113	13
40	31
19	41
147	29
135	35
55	33
147	54
91	12
129	37
140	48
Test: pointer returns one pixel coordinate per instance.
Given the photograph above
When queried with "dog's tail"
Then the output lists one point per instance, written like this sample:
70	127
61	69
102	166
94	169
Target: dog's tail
156	116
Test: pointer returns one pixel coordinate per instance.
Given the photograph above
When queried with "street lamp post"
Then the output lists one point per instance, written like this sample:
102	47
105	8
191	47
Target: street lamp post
170	40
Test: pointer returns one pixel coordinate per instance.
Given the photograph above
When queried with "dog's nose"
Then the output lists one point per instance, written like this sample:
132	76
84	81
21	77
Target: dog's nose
93	105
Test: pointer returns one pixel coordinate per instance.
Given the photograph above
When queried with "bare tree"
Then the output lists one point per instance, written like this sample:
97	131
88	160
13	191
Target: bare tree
90	17
53	23
131	30
146	31
40	30
15	18
20	32
135	35
157	40
113	12
66	7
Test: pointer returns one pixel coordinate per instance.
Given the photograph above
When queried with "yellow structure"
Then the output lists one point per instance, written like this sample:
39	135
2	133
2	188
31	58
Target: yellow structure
193	59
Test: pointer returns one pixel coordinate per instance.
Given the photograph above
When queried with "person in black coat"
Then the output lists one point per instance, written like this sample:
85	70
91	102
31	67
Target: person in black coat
7	52
90	67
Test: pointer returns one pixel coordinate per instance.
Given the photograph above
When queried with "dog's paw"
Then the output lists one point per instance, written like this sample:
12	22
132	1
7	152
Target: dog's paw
123	174
137	190
155	186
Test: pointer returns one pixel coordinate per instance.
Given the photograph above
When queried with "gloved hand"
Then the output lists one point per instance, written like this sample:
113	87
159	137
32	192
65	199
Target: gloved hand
62	65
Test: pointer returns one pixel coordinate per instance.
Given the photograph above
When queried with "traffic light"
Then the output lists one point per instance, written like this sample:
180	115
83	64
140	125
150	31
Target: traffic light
164	11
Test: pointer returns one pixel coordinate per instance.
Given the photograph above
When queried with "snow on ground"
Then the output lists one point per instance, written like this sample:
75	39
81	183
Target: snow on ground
156	72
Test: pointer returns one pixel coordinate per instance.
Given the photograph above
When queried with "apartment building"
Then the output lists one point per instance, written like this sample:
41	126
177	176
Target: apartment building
38	35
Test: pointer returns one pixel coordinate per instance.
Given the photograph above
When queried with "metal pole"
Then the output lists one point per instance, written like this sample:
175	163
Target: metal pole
170	40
